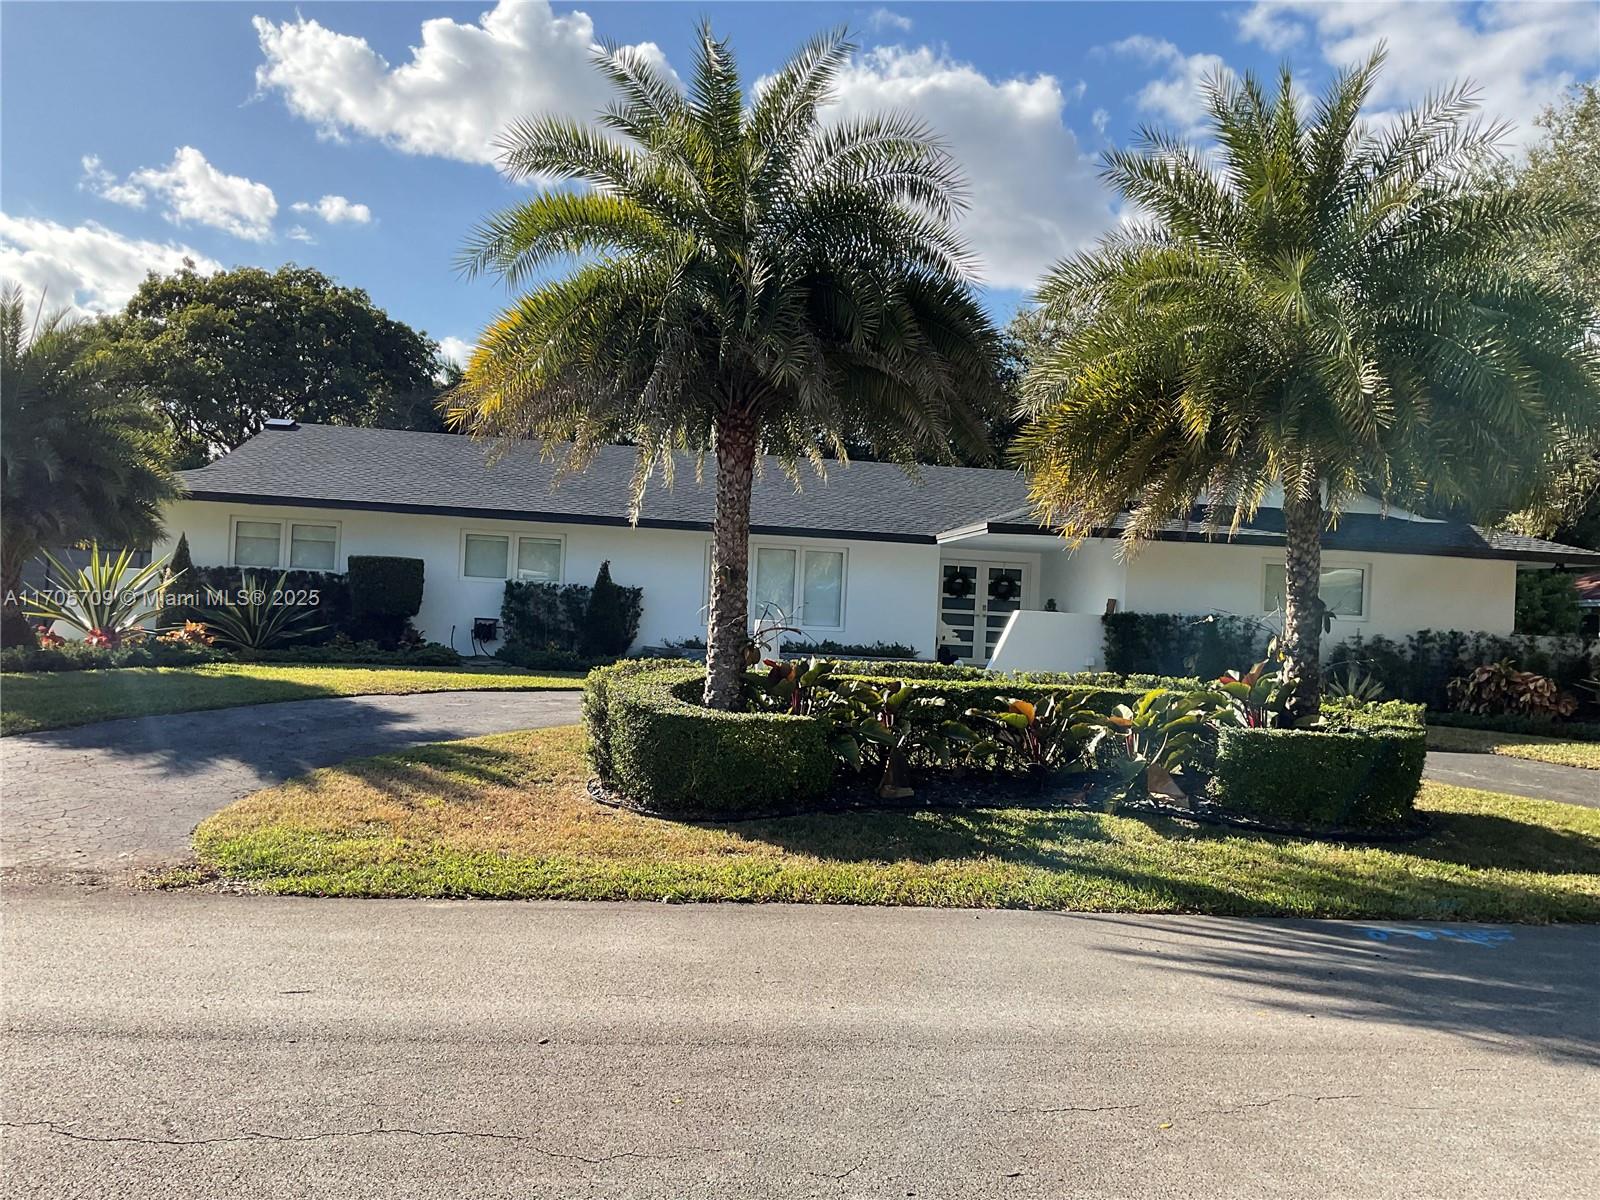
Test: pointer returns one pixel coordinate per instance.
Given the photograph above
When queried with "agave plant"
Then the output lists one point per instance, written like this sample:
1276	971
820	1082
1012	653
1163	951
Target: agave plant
1354	683
255	622
106	601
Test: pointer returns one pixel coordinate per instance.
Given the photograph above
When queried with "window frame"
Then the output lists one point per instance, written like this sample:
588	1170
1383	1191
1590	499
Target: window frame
286	545
285	541
1366	585
801	547
512	538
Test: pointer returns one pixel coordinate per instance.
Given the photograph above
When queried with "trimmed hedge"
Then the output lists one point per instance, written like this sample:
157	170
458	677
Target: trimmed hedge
1373	714
1181	643
651	743
385	585
1353	779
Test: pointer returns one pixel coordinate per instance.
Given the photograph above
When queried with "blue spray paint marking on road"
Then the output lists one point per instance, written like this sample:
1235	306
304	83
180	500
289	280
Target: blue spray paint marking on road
1491	938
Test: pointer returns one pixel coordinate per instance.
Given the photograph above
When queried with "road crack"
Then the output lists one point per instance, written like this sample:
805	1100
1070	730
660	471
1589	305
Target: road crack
380	1130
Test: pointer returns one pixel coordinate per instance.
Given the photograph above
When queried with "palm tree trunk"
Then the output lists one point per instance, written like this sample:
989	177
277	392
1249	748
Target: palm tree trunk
15	629
730	562
1302	608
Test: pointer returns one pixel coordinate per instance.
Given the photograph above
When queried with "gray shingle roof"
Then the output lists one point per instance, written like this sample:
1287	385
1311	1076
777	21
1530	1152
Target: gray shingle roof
394	470
447	473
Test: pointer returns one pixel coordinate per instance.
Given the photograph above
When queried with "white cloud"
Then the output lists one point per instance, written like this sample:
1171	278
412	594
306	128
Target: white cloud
194	192
882	19
86	268
464	83
299	233
1100	120
335	210
1034	193
1177	95
1521	55
104	184
456	350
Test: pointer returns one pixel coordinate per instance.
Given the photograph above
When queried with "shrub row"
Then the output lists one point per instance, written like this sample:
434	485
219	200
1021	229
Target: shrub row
588	622
1421	667
651	742
1181	644
75	656
1355	779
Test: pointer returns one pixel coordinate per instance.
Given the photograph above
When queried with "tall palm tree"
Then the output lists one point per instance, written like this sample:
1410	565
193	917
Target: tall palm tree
741	276
1319	305
80	457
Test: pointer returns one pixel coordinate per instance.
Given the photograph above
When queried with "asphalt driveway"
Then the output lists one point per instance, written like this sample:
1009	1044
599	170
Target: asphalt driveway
102	800
174	1047
1516	776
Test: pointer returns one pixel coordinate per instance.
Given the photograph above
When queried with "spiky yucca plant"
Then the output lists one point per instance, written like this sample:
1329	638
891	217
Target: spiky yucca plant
740	276
1322	305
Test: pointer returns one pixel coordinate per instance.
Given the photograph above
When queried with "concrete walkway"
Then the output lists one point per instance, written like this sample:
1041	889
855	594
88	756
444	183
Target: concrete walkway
102	800
1516	776
174	1047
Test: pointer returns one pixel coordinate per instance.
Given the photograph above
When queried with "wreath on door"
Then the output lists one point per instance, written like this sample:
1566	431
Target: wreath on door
1002	587
957	584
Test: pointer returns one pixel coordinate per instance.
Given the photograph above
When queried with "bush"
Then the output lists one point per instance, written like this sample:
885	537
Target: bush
1178	644
606	629
829	648
1547	603
1372	714
385	593
77	656
651	743
1420	668
533	658
1319	779
343	650
553	616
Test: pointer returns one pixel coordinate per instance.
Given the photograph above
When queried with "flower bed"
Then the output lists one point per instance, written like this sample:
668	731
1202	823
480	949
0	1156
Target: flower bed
821	734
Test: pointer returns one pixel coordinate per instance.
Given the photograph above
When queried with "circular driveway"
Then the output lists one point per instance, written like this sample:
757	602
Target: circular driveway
110	798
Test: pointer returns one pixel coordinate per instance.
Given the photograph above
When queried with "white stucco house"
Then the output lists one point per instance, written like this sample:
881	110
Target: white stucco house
866	554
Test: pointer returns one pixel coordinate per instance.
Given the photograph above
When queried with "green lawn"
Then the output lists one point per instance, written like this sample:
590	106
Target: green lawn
51	700
508	816
1515	745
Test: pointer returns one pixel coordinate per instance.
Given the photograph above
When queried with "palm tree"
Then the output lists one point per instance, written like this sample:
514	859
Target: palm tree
742	276
80	457
1318	305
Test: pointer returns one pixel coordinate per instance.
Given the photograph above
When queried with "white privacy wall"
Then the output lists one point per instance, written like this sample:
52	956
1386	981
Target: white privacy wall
1405	592
890	588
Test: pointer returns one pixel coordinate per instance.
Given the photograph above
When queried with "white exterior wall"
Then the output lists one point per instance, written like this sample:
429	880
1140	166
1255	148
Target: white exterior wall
1405	592
889	591
1082	580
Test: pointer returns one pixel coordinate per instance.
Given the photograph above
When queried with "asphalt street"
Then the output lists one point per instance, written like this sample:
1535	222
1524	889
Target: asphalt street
203	1045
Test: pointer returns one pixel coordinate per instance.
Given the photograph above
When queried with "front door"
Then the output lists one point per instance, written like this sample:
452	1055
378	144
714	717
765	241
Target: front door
976	599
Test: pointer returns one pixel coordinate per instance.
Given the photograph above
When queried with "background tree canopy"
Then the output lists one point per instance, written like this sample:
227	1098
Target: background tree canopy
219	354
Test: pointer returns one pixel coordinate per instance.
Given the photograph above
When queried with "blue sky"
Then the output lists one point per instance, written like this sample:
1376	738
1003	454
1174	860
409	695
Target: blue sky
356	137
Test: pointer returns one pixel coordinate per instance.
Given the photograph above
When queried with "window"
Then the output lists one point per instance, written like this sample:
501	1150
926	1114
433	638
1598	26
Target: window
772	589
1342	589
256	543
484	556
822	589
312	547
539	559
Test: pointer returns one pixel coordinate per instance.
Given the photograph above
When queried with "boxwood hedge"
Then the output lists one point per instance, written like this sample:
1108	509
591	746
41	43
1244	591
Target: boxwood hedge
1327	779
651	743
